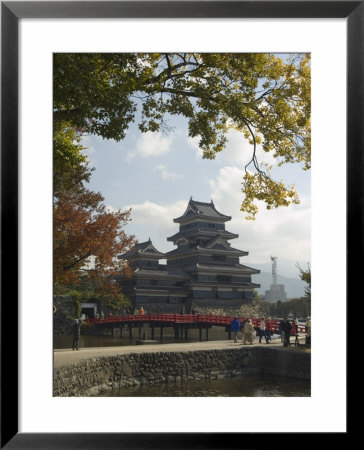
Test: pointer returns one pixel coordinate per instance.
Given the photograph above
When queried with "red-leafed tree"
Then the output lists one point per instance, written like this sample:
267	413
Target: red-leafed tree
87	238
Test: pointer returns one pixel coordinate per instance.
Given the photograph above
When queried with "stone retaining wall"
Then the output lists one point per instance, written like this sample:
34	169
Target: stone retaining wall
94	376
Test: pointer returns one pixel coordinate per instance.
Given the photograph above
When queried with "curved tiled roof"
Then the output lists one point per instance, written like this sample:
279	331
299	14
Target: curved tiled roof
200	209
236	268
144	248
203	231
199	248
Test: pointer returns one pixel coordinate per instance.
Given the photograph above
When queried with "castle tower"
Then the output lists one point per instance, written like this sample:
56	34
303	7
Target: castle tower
202	272
217	278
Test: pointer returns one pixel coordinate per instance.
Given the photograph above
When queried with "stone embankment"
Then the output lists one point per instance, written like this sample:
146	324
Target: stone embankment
92	376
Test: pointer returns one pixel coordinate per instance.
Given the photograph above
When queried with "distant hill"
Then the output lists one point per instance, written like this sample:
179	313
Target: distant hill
294	287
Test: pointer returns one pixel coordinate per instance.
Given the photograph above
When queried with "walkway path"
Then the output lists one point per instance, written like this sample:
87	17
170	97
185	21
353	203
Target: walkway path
65	357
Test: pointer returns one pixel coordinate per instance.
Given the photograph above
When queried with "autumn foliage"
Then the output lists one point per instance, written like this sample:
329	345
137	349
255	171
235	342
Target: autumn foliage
87	238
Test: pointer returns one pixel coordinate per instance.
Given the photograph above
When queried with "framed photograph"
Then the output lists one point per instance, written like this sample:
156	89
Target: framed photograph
31	33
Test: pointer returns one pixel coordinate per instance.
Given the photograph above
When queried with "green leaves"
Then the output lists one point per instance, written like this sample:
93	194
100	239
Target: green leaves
305	276
91	91
70	167
260	95
260	186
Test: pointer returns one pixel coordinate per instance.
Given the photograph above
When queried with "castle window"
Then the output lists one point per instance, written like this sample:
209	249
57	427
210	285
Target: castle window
218	258
224	278
225	294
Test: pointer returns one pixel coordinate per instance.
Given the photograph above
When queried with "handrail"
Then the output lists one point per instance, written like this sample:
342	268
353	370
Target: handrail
180	319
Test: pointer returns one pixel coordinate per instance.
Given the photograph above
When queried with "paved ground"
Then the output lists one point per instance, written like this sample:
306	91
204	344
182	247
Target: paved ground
65	357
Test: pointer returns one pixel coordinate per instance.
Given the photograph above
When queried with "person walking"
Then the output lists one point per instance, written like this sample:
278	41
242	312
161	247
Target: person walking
248	332
287	328
76	330
295	321
262	331
268	329
295	330
235	328
281	330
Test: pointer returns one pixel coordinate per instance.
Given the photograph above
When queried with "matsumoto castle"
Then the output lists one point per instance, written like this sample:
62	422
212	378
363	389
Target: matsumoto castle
202	272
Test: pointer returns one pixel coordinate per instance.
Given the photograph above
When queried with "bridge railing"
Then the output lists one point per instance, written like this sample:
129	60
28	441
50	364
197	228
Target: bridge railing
182	318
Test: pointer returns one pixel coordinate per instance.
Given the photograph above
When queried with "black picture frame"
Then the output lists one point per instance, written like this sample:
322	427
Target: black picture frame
11	12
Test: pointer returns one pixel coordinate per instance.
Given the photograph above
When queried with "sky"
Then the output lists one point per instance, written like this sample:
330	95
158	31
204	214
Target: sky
156	174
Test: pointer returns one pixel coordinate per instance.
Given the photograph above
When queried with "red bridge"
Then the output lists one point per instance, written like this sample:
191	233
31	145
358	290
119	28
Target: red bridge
177	320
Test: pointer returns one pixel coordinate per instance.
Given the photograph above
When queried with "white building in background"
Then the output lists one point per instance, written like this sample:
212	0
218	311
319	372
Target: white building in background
276	292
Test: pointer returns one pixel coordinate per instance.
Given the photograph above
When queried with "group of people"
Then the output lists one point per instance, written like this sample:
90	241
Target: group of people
264	330
246	328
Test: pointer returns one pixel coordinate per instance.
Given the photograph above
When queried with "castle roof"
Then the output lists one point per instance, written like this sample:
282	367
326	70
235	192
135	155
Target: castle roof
217	247
222	284
236	268
201	210
146	249
203	232
219	243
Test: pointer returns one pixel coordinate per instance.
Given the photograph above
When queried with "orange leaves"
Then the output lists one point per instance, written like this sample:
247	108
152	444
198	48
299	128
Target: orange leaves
87	238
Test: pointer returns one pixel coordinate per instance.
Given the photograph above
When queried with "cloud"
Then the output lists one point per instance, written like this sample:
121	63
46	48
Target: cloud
166	174
237	151
283	232
226	188
156	214
150	145
155	220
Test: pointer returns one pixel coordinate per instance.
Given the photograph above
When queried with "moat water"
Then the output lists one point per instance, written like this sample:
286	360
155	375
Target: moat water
247	386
